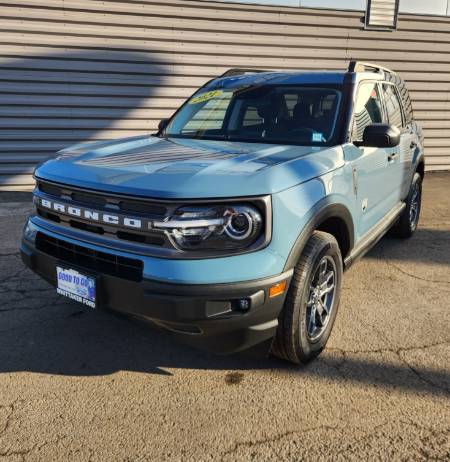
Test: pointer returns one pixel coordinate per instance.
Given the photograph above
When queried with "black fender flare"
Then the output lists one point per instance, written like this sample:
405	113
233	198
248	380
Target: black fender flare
323	210
419	159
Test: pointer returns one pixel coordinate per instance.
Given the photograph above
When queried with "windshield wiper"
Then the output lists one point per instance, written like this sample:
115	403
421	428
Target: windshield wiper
198	134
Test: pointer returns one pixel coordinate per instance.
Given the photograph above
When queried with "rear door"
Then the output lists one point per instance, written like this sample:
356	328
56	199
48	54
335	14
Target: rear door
415	146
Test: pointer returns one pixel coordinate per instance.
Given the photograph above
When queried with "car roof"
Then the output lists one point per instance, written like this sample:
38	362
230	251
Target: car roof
280	78
292	78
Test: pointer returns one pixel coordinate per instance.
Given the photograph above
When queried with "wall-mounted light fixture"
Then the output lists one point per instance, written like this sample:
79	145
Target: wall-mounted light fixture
381	14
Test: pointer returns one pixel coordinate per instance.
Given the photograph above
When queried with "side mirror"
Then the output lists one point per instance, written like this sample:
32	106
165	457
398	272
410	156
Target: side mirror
163	124
380	136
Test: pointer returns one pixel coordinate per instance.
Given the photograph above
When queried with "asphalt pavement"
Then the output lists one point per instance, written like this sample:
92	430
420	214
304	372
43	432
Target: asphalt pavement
84	385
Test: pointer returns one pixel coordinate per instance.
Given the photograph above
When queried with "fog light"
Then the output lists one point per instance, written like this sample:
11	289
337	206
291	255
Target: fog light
243	304
277	289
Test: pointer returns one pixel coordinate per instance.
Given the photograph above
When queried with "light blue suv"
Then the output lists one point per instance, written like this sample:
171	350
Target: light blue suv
232	225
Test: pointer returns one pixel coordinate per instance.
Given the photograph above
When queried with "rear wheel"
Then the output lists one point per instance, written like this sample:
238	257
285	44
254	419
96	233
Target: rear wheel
409	218
308	315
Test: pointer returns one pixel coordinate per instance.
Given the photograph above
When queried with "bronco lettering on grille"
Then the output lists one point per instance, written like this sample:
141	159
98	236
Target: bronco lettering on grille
96	216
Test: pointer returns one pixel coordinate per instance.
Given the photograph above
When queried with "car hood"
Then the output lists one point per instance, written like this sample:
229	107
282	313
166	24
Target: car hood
186	168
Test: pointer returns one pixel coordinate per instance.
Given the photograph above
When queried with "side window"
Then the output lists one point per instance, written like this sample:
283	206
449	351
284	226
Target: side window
251	117
291	101
393	107
407	106
367	110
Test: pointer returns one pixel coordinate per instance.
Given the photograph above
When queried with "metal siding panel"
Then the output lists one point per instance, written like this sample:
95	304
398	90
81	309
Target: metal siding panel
439	161
128	36
78	70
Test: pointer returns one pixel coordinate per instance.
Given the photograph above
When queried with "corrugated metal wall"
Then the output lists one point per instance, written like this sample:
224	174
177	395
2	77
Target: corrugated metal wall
85	70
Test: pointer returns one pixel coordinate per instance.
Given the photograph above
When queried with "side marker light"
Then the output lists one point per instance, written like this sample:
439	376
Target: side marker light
277	289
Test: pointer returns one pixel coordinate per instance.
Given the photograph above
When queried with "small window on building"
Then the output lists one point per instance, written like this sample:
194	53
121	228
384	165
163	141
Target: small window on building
367	109
393	107
381	14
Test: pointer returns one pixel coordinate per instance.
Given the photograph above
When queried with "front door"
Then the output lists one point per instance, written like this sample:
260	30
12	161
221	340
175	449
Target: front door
373	173
401	164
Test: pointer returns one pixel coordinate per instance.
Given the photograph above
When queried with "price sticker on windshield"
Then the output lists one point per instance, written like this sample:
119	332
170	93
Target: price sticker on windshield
205	96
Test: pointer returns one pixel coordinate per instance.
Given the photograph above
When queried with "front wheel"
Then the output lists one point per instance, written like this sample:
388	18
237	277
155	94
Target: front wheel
311	305
407	223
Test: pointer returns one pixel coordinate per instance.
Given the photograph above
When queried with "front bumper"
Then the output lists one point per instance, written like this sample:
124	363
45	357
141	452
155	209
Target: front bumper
205	315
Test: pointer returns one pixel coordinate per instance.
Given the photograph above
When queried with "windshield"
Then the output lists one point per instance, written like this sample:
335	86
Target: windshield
298	114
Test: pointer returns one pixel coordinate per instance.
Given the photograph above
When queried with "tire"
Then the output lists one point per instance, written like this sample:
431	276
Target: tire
295	340
407	223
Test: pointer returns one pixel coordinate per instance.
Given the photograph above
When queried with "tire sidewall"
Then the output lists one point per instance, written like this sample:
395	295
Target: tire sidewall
305	348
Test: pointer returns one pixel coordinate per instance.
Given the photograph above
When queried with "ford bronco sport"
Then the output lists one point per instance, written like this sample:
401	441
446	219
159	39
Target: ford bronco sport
232	225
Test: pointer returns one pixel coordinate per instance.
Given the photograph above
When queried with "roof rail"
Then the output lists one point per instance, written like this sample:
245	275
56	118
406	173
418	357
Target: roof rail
360	66
231	72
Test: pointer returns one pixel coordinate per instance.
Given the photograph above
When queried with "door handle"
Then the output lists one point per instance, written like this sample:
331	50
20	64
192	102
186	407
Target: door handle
391	157
413	145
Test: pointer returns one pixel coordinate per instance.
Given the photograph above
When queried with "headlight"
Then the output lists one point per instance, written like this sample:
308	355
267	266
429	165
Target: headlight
29	231
215	227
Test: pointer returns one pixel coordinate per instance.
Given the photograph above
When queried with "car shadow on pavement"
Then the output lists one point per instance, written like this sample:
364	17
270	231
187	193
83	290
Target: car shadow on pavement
428	245
79	342
41	332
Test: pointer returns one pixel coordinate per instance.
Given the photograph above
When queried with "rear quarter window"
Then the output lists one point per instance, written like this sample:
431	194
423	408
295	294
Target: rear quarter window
404	96
393	106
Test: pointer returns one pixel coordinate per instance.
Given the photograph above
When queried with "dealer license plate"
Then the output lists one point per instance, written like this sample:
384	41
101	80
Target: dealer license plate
76	286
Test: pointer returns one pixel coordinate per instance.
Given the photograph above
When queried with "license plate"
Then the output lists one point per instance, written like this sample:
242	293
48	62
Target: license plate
76	286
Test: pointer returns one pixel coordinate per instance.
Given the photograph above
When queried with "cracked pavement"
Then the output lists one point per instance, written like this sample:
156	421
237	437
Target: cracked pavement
83	385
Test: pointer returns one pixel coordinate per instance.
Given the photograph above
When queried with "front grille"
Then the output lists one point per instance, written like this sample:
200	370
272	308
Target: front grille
92	199
110	204
83	198
92	260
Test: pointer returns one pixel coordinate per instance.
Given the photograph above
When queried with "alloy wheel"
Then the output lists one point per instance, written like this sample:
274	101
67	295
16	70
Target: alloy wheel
321	298
414	207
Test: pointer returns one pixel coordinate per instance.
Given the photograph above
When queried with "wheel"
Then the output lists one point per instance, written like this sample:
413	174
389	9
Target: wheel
407	223
311	305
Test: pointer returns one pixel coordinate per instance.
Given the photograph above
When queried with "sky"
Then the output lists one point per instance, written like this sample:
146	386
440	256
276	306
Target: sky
440	7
